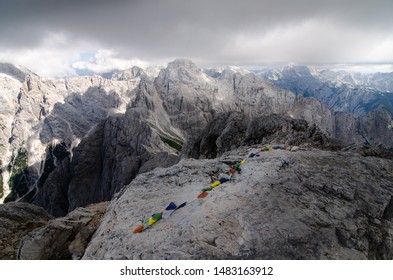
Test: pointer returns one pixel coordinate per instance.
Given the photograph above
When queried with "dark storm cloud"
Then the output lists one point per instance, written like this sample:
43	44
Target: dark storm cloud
28	21
222	31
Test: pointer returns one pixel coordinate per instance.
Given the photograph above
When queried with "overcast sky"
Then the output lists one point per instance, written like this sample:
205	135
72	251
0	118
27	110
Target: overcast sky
53	38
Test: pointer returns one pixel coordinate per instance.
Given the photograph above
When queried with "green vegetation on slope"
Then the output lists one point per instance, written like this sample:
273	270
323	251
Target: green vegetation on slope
1	180
18	184
1	184
172	143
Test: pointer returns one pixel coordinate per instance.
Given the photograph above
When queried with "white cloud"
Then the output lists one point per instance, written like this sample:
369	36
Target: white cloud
106	60
382	50
52	58
229	32
315	40
44	62
59	55
362	68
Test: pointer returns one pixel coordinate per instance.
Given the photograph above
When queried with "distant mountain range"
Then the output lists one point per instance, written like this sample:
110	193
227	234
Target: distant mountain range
357	93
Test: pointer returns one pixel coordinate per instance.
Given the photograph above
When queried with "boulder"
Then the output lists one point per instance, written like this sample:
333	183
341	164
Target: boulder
63	238
16	221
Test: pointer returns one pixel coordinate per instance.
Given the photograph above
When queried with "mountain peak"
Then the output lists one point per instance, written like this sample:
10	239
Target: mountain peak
17	72
182	63
180	69
300	70
127	74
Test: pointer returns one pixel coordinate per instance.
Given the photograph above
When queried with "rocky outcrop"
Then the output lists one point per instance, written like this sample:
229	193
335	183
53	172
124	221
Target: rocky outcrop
187	95
16	72
51	189
124	75
63	238
107	159
16	221
228	131
377	128
308	204
122	145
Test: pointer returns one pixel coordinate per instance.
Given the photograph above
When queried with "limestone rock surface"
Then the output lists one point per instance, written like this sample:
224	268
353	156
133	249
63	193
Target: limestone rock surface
63	238
302	204
16	221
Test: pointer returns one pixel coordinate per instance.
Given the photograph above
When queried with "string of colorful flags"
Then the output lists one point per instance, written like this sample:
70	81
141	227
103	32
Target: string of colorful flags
172	207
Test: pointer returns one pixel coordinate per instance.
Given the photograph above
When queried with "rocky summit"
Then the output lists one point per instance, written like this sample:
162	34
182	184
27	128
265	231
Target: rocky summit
301	204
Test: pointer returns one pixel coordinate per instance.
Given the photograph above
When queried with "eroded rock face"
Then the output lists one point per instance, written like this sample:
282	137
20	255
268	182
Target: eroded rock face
63	238
377	127
107	159
36	113
308	204
228	131
17	220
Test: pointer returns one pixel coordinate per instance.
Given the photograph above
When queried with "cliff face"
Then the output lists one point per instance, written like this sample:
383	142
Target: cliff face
377	127
228	131
44	113
307	204
107	159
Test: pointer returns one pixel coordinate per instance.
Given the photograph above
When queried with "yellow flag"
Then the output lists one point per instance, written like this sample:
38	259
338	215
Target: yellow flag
215	184
151	221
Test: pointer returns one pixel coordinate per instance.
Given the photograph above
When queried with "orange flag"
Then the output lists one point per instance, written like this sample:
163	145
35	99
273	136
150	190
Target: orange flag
202	195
